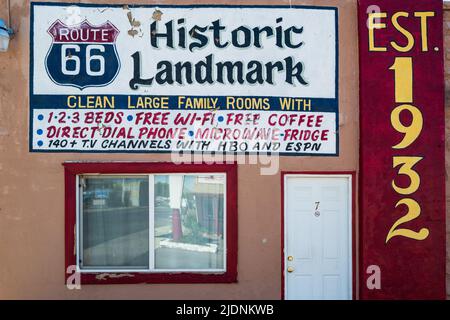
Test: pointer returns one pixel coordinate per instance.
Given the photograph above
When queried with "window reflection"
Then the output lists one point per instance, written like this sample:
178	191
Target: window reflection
115	222
189	215
188	230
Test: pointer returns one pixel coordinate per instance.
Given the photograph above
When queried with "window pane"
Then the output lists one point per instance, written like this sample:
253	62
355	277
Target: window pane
115	222
189	221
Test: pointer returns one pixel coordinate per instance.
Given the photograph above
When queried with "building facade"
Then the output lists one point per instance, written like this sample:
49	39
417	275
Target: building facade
155	225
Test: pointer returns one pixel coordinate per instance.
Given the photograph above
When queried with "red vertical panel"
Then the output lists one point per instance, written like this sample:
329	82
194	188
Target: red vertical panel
409	268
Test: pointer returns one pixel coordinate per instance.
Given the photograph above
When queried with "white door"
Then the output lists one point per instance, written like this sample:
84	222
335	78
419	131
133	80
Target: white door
317	228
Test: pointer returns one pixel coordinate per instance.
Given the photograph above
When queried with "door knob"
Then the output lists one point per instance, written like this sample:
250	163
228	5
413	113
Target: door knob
290	269
290	258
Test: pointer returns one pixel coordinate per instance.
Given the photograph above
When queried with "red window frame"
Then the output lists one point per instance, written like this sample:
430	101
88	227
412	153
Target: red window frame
72	169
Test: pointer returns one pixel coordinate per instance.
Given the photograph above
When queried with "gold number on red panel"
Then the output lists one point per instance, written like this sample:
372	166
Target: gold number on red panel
403	68
413	213
406	167
411	131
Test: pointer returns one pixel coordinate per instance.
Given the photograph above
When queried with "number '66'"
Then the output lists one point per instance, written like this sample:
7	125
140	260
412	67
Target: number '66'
68	54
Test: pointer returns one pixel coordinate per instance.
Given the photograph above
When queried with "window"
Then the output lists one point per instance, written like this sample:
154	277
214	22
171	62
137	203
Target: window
151	222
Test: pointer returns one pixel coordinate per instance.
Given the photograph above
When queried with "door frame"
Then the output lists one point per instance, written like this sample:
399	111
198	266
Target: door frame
351	175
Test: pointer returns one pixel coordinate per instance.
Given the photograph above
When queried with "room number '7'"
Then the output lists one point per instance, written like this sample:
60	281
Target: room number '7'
403	68
71	52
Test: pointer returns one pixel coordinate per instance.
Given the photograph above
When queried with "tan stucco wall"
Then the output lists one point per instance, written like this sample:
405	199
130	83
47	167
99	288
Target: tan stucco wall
32	189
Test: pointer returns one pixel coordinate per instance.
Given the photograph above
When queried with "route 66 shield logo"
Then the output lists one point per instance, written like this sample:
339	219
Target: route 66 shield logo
83	55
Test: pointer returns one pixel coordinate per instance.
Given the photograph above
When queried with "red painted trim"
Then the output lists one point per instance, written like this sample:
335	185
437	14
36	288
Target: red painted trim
283	264
354	235
70	221
74	169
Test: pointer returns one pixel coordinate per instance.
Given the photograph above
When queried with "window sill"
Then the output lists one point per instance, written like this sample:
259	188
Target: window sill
146	277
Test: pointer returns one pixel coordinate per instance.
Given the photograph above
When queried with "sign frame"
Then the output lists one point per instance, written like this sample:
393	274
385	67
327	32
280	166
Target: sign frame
132	6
